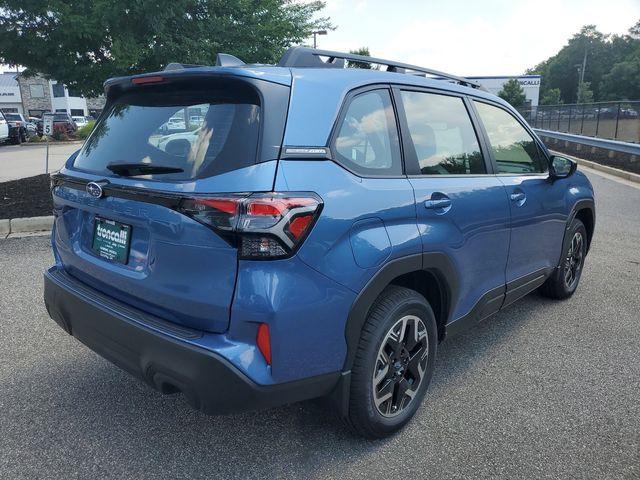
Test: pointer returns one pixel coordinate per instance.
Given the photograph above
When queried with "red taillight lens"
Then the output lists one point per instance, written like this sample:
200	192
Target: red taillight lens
266	225
218	212
263	340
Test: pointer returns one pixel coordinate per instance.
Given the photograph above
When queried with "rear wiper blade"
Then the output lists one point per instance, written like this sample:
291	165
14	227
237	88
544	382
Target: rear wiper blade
135	169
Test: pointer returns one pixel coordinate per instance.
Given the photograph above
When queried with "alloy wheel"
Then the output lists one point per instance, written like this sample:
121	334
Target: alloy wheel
573	261
400	365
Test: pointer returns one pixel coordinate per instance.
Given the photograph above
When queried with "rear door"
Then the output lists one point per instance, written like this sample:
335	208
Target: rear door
120	228
461	206
538	209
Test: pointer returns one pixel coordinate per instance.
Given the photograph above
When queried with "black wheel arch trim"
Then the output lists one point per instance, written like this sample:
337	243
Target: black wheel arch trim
436	263
582	204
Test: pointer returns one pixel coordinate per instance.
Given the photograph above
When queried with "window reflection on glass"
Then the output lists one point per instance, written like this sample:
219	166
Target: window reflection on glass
514	149
442	134
202	139
368	138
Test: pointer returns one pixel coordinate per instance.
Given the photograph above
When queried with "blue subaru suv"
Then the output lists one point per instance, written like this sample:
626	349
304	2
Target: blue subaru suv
253	235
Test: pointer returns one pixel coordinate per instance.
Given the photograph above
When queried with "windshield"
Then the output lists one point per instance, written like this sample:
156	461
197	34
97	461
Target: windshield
12	117
202	134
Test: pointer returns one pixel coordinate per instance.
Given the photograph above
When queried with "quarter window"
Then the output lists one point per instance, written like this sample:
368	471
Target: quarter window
367	141
514	149
442	133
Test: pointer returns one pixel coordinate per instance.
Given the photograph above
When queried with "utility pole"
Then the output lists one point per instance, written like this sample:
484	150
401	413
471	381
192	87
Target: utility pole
317	32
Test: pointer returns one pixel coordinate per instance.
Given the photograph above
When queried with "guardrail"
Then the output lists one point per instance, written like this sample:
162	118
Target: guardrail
603	143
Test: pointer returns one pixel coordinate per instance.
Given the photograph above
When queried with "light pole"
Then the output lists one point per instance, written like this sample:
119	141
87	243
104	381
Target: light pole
317	32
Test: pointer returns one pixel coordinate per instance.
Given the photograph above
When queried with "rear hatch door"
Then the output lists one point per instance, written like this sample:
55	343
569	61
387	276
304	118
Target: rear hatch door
117	225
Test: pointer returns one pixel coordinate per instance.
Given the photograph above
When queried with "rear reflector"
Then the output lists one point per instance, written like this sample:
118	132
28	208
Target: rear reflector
263	340
143	80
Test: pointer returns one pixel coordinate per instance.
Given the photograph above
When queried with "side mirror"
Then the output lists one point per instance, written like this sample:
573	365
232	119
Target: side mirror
561	167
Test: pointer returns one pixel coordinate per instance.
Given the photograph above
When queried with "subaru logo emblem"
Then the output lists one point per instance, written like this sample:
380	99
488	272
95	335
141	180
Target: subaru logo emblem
94	189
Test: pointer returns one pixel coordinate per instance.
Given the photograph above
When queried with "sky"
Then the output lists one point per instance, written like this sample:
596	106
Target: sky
484	37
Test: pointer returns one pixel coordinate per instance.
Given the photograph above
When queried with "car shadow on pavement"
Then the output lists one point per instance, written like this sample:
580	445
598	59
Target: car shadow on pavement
99	416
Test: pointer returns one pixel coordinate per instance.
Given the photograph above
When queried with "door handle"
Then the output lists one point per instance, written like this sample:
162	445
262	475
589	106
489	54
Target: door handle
518	197
437	203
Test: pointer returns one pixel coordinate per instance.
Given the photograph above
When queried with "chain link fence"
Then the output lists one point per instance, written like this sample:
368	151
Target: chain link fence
610	120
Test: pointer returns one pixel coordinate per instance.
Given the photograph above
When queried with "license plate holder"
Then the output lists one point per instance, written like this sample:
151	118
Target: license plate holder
111	240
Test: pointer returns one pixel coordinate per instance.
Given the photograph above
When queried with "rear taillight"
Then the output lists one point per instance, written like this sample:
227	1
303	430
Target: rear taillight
264	225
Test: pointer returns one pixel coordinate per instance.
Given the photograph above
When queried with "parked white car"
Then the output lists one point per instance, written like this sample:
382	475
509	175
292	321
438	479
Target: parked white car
4	129
80	121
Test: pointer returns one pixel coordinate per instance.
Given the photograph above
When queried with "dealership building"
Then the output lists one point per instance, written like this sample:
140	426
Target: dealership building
35	95
529	83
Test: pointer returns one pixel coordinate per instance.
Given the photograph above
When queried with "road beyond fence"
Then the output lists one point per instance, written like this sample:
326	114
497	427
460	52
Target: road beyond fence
611	120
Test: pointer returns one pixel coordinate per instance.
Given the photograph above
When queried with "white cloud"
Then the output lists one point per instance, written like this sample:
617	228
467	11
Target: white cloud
471	38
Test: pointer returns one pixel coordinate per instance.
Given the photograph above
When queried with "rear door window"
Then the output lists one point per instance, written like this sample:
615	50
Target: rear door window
201	133
443	136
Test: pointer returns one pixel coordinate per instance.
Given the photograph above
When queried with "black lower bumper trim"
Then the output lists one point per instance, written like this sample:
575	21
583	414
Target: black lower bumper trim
209	381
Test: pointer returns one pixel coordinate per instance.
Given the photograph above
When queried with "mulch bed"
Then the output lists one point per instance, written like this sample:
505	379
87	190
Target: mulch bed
27	197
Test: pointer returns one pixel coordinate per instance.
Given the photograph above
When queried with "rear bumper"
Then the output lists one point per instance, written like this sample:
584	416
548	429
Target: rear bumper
120	334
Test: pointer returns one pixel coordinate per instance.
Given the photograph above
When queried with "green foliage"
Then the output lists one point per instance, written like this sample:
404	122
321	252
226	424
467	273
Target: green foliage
551	97
360	51
513	93
605	54
623	82
585	95
84	131
83	43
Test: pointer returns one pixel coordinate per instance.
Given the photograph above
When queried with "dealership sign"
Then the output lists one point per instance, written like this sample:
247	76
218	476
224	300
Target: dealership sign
9	94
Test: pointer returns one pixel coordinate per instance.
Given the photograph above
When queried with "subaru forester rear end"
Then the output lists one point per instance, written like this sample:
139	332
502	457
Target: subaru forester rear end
168	198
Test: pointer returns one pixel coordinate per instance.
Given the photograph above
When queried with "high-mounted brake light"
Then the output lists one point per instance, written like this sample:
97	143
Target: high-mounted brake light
144	80
264	225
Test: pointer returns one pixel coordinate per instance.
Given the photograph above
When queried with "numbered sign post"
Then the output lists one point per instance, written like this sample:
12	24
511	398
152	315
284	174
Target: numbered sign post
47	131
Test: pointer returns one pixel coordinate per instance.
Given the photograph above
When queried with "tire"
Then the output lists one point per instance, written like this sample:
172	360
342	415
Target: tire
23	136
383	364
566	277
18	139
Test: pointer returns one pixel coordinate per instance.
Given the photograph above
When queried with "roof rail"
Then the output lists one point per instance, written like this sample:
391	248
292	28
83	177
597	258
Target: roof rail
310	58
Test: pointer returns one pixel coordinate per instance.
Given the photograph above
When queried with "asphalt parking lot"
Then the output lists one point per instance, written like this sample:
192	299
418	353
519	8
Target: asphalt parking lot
542	390
26	160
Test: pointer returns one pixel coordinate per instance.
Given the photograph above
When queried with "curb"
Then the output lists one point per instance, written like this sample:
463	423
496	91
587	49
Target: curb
632	177
25	226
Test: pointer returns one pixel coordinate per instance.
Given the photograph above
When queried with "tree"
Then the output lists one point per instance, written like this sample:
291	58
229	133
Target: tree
585	95
551	97
513	93
603	53
623	82
360	51
83	43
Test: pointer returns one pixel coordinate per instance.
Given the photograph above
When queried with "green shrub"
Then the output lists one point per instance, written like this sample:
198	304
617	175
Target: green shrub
83	132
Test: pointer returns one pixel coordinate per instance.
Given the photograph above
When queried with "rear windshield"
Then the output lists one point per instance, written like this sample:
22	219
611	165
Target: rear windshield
201	133
12	117
60	117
